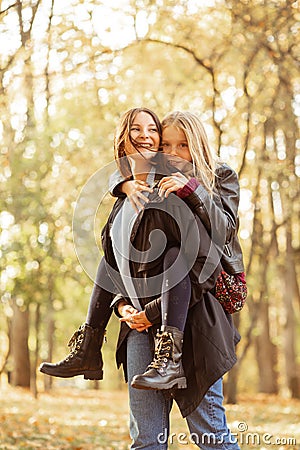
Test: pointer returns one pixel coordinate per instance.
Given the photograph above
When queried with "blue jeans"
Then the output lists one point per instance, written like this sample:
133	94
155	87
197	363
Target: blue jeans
150	410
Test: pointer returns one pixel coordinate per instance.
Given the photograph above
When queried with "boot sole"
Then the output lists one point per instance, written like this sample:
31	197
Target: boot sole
93	375
179	383
87	374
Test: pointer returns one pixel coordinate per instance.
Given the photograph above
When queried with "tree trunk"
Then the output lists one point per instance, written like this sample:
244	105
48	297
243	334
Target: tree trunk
230	389
266	354
36	352
50	335
290	325
20	375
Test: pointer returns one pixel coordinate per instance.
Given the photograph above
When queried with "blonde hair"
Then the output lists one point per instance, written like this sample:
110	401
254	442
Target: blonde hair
122	137
204	160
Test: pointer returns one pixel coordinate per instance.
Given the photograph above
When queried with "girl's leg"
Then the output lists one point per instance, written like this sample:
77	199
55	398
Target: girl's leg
149	410
166	370
207	424
85	357
99	310
175	301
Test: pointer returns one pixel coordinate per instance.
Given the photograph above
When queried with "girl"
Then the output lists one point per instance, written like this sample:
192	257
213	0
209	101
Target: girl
198	182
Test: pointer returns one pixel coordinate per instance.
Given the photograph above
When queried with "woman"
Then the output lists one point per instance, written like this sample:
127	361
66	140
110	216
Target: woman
208	349
206	318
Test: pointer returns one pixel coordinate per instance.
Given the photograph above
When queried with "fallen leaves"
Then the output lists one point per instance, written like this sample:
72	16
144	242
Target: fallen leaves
76	419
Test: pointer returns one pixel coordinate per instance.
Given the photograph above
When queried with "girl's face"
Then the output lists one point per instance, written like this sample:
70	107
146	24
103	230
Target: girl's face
144	133
174	143
176	147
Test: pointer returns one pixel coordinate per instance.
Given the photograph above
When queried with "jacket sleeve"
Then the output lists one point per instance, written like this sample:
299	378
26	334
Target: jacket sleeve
115	181
115	303
219	212
153	311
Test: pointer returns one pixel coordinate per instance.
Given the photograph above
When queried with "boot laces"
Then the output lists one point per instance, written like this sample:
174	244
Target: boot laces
163	350
75	342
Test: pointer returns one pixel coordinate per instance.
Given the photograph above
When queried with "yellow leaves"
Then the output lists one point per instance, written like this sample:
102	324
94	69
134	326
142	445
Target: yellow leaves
71	419
32	420
66	420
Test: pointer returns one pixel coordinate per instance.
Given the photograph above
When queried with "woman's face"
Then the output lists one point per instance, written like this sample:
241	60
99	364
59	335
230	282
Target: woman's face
144	133
175	145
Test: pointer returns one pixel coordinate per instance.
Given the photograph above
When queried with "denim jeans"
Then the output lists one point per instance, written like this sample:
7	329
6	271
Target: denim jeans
150	410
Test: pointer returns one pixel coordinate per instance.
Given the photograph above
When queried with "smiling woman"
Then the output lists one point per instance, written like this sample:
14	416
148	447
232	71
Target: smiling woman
138	135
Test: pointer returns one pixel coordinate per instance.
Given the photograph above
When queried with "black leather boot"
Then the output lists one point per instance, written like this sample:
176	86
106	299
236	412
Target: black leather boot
85	357
165	371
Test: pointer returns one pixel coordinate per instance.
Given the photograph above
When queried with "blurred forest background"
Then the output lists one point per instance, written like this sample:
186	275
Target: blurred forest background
69	69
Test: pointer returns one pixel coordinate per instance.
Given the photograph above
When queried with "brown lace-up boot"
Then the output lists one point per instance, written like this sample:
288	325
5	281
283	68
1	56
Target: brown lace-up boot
165	371
85	356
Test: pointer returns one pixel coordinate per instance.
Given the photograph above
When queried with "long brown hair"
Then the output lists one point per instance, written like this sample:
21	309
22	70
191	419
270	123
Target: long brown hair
122	137
204	160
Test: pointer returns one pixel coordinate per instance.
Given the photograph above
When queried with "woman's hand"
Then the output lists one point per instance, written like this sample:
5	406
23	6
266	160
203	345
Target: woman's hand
134	191
134	319
171	184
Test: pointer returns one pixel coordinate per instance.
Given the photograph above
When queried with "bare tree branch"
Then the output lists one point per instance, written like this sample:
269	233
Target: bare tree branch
205	63
8	8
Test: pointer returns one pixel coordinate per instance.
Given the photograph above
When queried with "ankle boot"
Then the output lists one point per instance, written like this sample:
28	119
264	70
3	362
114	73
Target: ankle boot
165	371
85	357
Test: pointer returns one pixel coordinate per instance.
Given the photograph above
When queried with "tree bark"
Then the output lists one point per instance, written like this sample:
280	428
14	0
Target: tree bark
50	339
266	354
20	375
36	352
230	389
291	368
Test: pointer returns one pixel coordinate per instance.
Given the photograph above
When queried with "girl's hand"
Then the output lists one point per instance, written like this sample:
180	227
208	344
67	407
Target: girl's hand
134	191
137	321
125	309
127	312
171	184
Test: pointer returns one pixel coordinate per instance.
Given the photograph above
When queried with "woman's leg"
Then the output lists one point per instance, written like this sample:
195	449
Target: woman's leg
149	410
207	424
